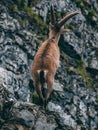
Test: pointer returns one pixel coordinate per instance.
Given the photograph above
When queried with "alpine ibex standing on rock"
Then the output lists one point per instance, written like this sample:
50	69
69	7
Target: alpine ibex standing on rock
46	60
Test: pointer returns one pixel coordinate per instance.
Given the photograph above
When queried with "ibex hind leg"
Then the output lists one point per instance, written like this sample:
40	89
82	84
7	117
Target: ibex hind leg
50	82
44	93
39	92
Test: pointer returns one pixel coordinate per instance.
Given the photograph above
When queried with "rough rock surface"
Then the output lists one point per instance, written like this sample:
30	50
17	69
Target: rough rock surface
74	101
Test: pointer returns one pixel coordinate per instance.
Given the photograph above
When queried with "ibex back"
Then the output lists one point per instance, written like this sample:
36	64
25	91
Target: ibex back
46	60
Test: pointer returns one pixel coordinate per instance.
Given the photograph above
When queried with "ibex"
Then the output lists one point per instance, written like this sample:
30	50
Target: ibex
46	60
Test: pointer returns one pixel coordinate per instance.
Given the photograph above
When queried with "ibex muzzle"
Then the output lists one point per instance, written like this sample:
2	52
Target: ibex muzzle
46	60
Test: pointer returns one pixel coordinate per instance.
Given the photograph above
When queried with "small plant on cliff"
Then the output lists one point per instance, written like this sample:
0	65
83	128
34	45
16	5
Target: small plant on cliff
97	97
37	21
35	98
86	7
15	8
34	16
20	3
81	69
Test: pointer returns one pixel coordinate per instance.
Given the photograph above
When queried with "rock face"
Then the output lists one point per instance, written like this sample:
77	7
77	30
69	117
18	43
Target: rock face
74	101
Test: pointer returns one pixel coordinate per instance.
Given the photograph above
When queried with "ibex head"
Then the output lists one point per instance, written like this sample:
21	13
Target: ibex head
56	26
46	60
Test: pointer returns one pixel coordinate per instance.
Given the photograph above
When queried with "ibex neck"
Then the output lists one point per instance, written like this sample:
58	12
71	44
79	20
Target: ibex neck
56	37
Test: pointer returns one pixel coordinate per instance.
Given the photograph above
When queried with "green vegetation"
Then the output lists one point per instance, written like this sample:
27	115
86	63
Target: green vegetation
82	71
97	85
15	8
69	26
80	63
23	22
35	98
97	54
35	17
91	11
79	3
97	97
20	3
39	24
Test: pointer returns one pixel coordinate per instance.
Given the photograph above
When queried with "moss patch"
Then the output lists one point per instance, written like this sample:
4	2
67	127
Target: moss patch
81	69
41	27
29	15
70	26
35	17
35	98
15	8
91	11
20	3
97	97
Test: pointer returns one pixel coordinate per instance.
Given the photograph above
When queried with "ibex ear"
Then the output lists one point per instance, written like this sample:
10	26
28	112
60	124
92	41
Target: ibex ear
52	15
65	30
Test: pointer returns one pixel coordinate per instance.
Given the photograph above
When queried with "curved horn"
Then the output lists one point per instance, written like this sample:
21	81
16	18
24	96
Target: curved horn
63	20
52	15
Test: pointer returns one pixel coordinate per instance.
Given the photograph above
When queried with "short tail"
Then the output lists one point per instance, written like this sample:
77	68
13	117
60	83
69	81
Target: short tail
42	75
